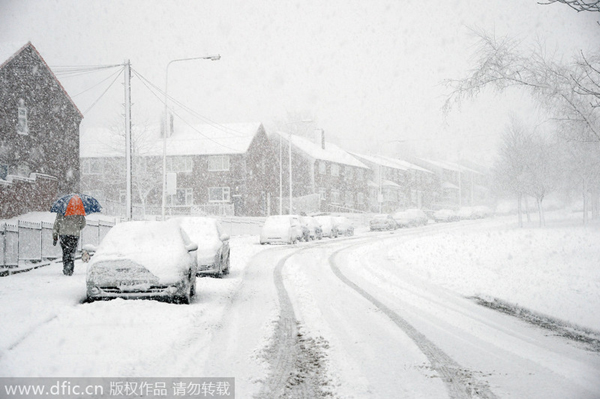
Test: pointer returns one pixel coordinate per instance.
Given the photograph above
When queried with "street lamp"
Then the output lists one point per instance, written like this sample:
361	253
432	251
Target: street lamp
166	127
290	166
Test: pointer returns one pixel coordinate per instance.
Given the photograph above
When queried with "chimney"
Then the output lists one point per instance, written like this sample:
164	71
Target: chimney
320	138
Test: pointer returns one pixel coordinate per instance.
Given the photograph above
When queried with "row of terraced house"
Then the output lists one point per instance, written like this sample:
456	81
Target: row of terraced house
236	169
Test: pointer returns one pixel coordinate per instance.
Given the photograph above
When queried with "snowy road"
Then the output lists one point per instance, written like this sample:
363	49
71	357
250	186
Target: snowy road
343	317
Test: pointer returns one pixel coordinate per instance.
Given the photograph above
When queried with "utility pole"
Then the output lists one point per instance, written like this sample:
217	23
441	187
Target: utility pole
128	152
290	156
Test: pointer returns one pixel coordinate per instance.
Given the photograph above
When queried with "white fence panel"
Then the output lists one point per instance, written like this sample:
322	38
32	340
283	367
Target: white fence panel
237	226
49	251
11	245
89	235
30	241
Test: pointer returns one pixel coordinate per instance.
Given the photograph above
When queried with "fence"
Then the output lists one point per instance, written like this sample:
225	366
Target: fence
237	226
32	241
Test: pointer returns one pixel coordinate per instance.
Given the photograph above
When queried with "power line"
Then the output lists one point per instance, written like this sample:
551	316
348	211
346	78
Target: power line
99	83
189	110
104	92
71	71
146	82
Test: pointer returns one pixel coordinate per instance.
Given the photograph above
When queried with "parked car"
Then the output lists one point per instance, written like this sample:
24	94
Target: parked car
143	260
312	225
213	252
445	215
343	225
327	226
466	213
281	229
480	212
382	222
410	218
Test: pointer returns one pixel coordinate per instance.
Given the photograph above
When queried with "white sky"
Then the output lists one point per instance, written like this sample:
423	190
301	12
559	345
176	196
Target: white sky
367	72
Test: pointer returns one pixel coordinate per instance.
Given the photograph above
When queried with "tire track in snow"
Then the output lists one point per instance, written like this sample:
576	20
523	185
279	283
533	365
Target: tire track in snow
288	350
459	382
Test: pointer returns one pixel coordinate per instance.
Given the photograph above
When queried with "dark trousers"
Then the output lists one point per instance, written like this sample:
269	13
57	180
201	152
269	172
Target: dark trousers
69	246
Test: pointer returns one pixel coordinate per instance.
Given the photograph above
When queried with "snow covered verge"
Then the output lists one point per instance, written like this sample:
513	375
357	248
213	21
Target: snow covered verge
553	270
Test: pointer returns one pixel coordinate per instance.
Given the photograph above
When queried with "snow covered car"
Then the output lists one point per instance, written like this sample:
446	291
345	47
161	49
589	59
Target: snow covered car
445	215
213	252
281	229
314	228
466	213
343	225
327	226
143	260
480	212
410	218
382	222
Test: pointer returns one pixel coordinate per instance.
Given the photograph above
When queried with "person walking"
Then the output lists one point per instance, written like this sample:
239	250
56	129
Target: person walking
68	228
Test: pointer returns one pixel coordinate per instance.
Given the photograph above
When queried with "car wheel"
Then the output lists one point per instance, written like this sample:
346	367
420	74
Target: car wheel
226	270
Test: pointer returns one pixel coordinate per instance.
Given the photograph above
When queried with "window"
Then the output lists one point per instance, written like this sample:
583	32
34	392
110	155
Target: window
218	163
335	197
349	200
323	193
179	164
22	127
360	198
349	172
183	197
335	169
360	174
219	194
92	166
322	168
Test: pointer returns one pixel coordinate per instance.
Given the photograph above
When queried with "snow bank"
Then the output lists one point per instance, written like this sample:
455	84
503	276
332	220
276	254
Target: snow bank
553	270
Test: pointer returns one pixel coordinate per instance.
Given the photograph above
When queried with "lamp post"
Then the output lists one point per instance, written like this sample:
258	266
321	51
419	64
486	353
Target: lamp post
166	132
290	166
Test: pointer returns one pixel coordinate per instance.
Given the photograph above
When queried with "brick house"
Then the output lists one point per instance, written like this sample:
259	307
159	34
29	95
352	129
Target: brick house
219	169
396	184
39	133
320	167
459	185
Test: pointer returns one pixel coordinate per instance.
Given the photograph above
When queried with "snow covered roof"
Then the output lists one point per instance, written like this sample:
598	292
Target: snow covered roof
331	152
451	166
207	139
447	184
390	162
379	161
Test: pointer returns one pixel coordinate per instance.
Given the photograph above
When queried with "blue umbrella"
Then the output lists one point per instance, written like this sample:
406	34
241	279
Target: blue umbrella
76	204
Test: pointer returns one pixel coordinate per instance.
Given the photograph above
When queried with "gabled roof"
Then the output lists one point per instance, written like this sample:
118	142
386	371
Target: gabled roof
331	152
213	139
390	162
450	166
9	51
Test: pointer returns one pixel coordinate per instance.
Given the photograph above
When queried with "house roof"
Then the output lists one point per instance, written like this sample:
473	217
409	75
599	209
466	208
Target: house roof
451	166
8	51
390	162
207	139
331	152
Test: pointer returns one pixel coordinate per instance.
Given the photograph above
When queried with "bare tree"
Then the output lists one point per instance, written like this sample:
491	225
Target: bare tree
577	5
146	171
570	92
509	171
